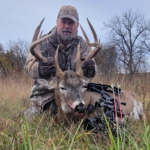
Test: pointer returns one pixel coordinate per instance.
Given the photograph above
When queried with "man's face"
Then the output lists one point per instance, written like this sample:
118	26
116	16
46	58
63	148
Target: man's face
66	29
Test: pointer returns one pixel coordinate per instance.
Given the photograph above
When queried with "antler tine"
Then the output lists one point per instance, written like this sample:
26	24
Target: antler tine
41	34
96	44
85	35
93	31
78	69
36	51
37	31
92	54
59	72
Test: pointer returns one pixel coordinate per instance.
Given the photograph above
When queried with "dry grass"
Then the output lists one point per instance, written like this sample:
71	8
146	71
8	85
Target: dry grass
14	98
14	95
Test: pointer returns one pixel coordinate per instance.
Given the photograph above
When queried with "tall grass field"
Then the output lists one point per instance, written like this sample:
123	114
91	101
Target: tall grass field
41	134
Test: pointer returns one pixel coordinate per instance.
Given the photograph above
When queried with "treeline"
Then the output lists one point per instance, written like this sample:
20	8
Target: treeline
13	57
126	50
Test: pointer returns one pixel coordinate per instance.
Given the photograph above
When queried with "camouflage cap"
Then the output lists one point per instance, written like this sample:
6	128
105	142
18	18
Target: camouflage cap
68	12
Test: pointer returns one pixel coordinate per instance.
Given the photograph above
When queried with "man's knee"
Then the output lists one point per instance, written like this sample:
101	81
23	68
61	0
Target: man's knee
32	112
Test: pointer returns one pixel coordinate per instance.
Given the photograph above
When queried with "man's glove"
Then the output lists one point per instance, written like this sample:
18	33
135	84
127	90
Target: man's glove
47	69
89	68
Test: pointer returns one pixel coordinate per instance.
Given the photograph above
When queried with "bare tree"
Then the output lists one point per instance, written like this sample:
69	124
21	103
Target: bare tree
126	33
146	41
2	69
1	49
13	58
20	48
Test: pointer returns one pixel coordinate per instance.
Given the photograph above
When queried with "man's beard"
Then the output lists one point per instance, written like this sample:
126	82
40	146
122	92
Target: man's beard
64	37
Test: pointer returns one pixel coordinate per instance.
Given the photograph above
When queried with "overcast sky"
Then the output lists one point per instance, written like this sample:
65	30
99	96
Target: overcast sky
19	18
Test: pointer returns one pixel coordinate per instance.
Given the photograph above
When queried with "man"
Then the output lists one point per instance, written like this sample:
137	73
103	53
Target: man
64	35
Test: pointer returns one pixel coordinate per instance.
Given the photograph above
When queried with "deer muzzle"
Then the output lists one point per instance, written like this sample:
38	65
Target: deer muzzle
81	108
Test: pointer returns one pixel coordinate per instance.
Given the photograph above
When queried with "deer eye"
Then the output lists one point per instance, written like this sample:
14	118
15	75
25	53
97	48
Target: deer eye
62	88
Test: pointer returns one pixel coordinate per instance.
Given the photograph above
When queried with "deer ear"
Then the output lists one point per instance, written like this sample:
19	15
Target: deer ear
86	80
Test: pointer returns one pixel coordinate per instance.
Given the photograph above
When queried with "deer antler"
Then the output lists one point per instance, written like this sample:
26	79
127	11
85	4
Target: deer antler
97	43
79	63
93	31
92	53
34	49
59	72
86	37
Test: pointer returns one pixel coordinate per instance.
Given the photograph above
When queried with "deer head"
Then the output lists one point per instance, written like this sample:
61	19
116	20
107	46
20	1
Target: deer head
70	85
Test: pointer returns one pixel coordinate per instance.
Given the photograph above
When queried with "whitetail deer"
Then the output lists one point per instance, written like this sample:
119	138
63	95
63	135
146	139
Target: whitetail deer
70	96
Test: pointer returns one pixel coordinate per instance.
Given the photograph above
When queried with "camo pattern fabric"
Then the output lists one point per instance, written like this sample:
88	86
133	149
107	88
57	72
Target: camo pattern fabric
42	92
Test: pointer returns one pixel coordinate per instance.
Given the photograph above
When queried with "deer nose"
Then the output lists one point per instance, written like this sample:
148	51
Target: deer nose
80	108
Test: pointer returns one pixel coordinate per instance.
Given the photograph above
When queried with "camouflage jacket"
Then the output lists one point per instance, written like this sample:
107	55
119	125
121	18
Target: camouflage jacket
41	93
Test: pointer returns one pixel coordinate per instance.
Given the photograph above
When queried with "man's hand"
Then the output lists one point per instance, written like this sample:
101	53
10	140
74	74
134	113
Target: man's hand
89	68
47	69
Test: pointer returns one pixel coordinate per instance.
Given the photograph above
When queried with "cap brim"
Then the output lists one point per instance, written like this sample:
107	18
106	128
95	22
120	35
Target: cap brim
68	16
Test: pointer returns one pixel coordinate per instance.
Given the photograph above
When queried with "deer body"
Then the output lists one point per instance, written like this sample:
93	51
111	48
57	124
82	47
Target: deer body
69	94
